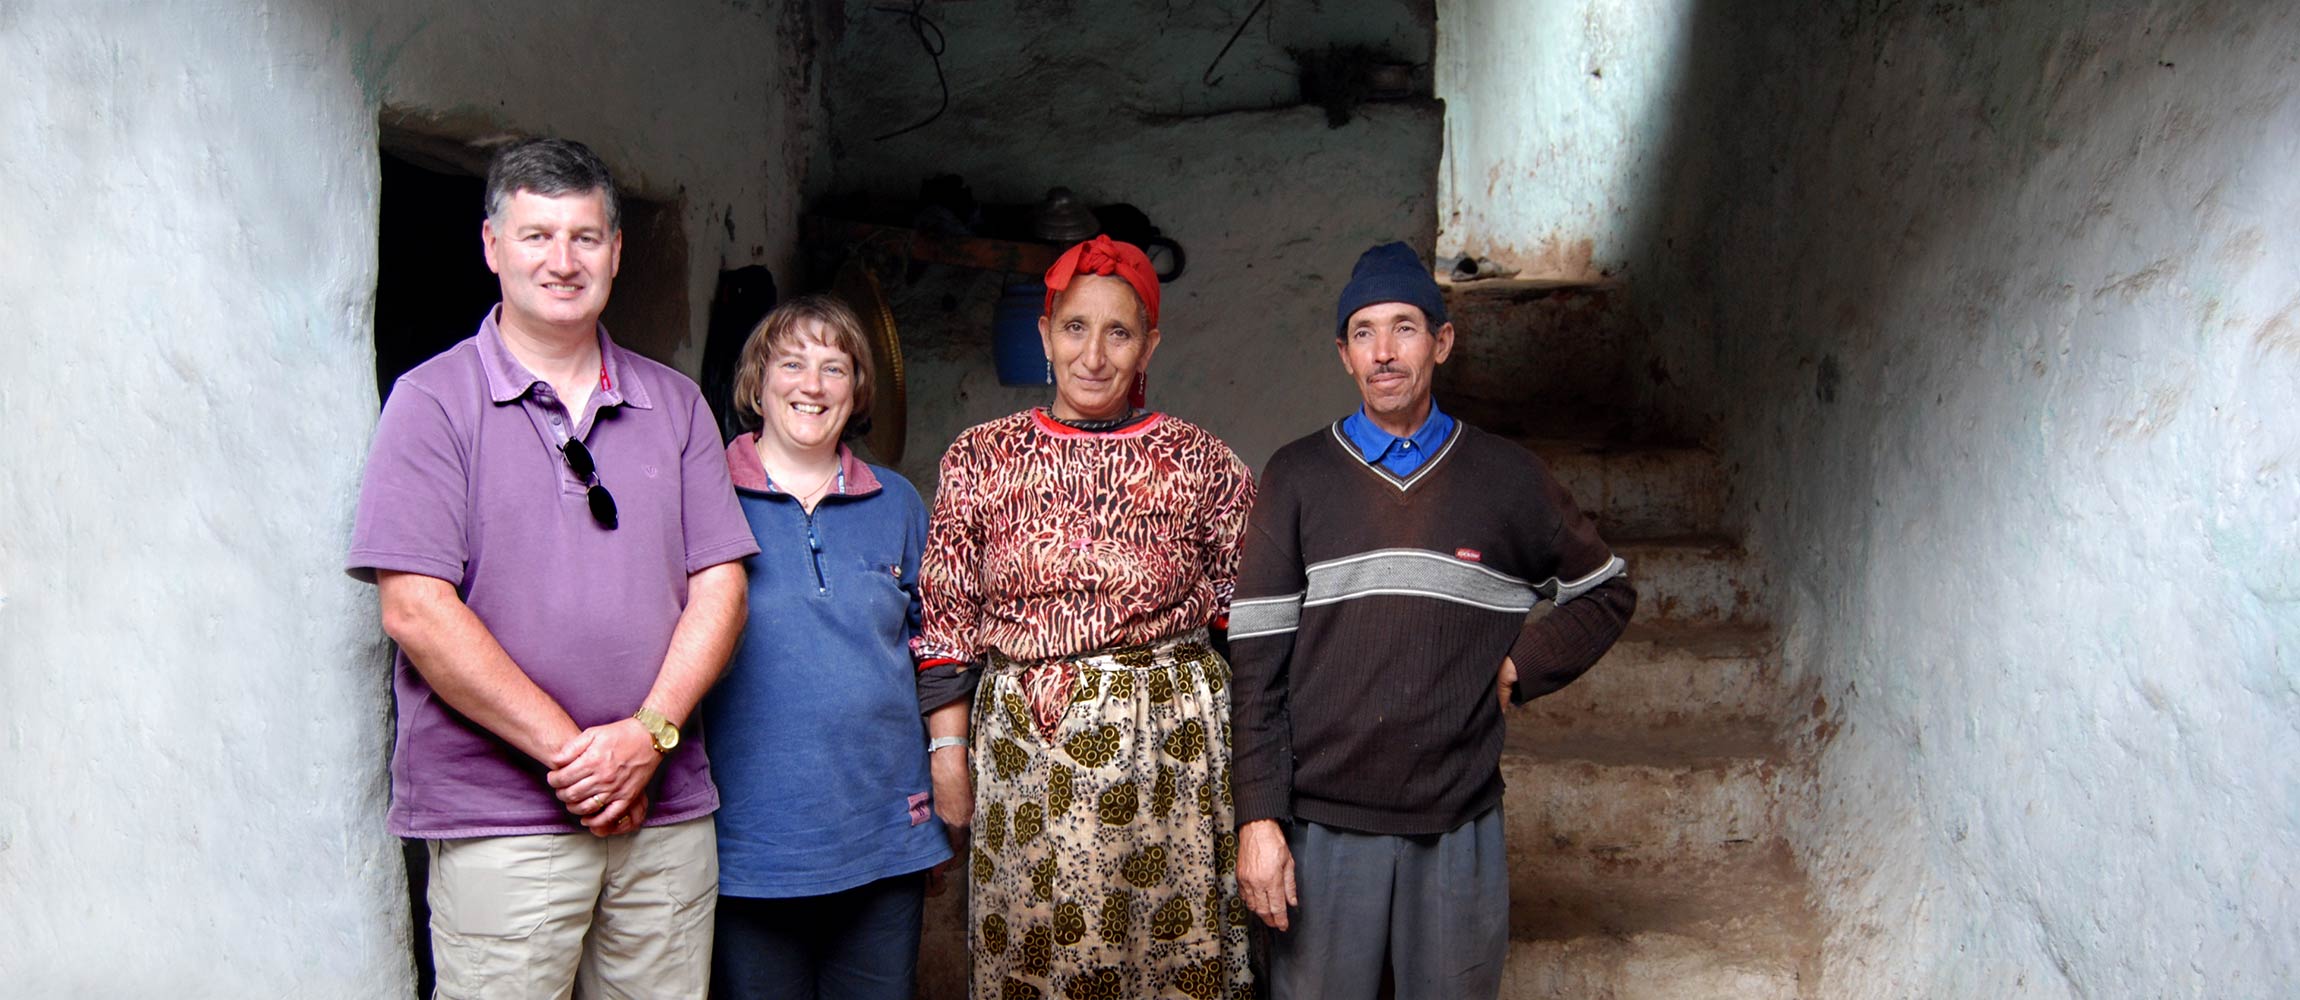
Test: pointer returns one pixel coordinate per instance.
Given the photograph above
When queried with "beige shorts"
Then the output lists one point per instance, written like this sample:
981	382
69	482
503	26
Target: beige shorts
536	916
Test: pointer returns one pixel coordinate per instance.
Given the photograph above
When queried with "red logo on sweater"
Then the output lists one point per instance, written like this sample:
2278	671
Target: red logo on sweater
1471	555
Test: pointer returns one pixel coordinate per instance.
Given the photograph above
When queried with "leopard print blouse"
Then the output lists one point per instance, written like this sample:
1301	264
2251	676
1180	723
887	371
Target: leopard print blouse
1050	541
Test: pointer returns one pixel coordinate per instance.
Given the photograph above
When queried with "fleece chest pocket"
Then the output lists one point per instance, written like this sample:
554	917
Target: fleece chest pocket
879	576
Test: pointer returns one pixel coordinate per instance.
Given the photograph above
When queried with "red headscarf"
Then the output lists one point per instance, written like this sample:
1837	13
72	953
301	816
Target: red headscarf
1106	256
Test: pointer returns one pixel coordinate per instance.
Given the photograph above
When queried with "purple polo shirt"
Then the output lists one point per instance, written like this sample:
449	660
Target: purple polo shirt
465	482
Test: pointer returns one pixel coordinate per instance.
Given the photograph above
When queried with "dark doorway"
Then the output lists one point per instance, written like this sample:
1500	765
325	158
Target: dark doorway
432	286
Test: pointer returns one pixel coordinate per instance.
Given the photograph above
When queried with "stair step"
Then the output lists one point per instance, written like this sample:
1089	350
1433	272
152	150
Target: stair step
1723	932
1694	580
1661	679
1639	492
1584	804
1652	966
1533	356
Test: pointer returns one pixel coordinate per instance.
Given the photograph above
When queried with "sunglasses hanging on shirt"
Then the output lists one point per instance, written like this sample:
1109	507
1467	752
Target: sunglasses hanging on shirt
602	502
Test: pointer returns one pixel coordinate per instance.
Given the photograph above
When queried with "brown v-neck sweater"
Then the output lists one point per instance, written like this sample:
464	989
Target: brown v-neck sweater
1371	618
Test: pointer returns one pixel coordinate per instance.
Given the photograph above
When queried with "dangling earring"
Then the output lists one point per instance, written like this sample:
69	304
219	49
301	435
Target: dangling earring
1050	371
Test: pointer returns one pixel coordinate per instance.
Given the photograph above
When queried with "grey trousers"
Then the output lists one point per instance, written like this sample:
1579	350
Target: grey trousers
1437	906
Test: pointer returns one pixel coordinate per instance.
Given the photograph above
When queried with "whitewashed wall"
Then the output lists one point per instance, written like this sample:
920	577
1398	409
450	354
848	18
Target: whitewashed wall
194	697
2014	336
1554	109
1997	309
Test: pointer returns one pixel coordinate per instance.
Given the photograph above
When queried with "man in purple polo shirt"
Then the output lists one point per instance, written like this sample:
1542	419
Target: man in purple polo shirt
557	548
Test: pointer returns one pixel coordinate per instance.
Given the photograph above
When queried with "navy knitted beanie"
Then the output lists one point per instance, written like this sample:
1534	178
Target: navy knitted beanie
1391	272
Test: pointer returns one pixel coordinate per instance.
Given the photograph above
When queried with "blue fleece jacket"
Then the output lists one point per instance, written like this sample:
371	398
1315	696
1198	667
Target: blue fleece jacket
816	742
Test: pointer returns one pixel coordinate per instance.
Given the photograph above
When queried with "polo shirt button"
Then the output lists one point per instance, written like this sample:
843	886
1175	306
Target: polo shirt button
554	421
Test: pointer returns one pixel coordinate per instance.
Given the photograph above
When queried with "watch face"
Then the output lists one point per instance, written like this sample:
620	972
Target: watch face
659	729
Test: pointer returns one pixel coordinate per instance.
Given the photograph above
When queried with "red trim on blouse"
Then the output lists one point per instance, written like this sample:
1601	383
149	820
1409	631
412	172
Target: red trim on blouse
1046	422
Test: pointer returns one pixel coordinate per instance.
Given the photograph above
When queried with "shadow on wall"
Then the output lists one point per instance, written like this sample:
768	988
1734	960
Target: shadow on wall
1978	298
1785	130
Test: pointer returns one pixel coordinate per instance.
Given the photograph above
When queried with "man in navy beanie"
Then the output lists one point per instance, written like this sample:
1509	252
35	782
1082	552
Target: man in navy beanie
1378	633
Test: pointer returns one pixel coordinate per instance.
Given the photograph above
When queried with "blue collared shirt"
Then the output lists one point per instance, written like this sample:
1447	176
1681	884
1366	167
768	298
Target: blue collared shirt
1400	455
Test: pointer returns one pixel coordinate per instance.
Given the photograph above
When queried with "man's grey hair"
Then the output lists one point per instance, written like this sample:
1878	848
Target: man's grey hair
551	168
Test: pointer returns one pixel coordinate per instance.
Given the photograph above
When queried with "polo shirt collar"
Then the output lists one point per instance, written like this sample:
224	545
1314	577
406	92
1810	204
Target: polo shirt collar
1375	444
508	380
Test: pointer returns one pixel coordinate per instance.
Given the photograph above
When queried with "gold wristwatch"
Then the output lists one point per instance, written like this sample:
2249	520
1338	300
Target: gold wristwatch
660	729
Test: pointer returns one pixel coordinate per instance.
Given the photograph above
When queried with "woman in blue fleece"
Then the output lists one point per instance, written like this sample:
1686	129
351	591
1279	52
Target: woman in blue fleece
826	826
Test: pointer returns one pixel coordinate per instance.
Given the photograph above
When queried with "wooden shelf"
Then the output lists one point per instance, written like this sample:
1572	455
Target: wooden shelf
980	253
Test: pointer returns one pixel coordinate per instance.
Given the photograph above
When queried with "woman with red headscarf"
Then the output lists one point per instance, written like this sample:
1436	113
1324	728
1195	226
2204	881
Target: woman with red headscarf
1077	555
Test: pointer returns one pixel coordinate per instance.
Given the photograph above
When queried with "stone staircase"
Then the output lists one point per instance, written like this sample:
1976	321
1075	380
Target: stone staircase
1645	801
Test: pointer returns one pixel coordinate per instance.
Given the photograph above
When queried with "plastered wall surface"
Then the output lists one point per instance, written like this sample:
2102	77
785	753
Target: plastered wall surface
1995	308
193	696
1272	205
1553	111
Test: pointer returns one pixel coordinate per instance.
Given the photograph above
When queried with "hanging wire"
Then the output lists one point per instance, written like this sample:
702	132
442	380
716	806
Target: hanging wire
931	39
1208	78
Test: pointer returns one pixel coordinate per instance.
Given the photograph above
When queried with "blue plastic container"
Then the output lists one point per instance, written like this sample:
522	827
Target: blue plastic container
1014	336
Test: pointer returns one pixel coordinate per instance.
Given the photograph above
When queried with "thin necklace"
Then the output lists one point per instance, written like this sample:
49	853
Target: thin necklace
838	471
802	498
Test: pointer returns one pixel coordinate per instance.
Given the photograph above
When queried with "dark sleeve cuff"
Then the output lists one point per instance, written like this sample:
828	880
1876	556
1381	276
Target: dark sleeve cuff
1256	805
1258	800
1562	645
942	682
1278	812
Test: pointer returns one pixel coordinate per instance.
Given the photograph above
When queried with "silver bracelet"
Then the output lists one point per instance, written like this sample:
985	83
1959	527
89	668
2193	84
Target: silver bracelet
940	742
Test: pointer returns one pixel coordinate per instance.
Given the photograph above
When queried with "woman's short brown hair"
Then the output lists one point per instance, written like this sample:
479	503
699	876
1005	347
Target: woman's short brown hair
783	327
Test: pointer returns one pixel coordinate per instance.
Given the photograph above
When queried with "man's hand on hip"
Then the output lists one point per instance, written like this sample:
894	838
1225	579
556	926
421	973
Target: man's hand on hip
602	774
1508	681
1266	872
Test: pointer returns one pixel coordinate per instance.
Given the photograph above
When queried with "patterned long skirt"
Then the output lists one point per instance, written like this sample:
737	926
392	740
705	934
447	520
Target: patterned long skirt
1105	856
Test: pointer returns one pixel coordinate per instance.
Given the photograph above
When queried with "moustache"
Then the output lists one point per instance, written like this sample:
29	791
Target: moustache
1386	370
